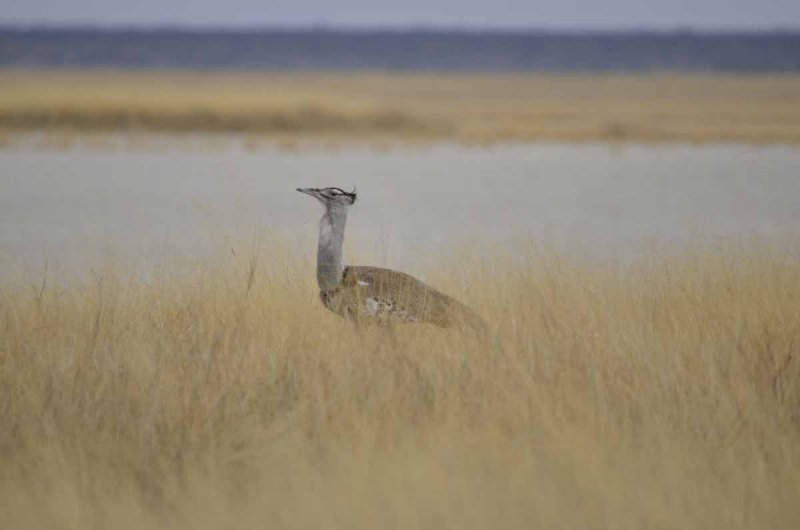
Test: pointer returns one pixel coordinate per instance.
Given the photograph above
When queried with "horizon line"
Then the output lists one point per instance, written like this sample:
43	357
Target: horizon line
395	28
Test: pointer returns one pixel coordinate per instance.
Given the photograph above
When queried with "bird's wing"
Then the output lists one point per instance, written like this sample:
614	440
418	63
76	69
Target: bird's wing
392	295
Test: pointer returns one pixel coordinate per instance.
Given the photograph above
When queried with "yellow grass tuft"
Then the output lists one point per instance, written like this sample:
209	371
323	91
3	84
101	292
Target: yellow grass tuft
662	393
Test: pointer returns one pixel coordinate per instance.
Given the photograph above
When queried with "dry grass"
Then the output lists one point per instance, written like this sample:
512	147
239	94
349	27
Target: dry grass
370	106
658	394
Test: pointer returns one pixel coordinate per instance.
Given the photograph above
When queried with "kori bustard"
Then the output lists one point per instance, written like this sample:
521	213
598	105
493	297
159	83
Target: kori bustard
372	293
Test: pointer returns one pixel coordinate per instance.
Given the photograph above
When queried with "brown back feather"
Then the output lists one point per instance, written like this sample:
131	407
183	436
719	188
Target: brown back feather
399	296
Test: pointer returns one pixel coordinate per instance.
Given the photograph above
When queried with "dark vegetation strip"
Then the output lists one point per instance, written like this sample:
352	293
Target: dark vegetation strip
308	119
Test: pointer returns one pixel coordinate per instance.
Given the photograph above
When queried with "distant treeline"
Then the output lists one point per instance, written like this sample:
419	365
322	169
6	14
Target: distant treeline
426	50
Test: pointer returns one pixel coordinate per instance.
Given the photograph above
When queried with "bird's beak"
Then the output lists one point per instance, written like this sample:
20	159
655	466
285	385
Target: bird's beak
314	192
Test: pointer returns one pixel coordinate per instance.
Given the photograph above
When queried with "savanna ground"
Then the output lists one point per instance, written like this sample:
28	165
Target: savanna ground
659	393
406	107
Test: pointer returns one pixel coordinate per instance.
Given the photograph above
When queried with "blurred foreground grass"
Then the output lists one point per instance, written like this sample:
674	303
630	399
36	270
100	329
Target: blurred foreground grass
663	393
369	106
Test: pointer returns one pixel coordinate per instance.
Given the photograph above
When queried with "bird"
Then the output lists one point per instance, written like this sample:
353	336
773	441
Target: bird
374	294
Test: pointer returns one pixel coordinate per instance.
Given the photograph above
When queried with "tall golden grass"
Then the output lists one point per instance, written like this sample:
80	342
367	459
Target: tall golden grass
366	106
660	393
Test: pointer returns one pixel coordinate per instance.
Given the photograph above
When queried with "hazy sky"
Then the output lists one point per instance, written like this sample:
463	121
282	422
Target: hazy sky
570	14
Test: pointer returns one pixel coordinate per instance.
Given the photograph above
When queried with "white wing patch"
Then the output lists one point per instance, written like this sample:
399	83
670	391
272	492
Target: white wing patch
362	283
373	306
385	310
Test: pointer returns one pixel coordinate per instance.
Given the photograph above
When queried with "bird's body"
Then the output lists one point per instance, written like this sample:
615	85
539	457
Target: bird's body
370	293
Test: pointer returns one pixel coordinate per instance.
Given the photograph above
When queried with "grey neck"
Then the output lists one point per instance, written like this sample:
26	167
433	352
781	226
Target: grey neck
330	267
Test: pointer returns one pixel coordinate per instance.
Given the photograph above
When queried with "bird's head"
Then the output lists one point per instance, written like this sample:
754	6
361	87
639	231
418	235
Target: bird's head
331	197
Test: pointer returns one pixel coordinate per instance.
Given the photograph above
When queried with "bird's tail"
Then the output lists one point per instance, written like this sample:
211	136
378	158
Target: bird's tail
466	319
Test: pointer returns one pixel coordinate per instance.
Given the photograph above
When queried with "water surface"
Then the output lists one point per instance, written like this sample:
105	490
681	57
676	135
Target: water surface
77	207
401	50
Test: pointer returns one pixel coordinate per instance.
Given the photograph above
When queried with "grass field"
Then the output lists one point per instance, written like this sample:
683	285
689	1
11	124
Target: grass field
408	107
662	393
